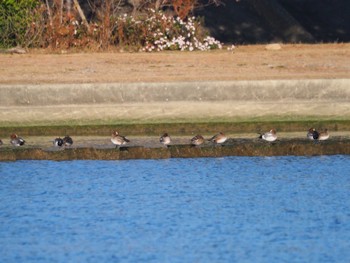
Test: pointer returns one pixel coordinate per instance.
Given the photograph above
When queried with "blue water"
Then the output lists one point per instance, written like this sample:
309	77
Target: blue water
236	209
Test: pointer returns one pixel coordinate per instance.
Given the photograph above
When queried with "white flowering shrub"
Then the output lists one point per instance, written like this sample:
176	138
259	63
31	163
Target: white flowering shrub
158	32
151	31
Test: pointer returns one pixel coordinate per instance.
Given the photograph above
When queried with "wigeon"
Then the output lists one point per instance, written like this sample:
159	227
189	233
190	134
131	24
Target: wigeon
67	141
312	134
269	136
218	138
16	140
118	139
324	135
58	142
165	139
197	140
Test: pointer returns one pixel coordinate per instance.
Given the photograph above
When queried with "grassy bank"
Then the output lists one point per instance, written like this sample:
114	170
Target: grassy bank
176	128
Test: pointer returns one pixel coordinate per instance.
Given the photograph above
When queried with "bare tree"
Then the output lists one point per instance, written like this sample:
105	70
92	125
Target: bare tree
69	6
81	14
49	12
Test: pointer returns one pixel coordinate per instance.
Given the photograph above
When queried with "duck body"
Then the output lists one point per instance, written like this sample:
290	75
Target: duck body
324	135
197	140
312	134
315	135
165	139
218	138
67	141
58	142
16	140
118	139
269	136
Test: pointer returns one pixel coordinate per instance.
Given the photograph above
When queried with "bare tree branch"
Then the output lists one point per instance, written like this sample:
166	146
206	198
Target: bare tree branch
81	13
49	12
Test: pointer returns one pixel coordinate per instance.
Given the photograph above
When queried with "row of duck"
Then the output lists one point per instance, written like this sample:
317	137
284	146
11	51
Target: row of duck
220	138
165	139
16	140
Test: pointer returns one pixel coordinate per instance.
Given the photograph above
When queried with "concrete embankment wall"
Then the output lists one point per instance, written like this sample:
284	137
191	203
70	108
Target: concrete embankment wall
313	91
188	107
242	147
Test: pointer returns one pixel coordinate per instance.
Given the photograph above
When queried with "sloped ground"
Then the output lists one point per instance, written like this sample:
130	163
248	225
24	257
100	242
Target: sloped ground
252	62
298	62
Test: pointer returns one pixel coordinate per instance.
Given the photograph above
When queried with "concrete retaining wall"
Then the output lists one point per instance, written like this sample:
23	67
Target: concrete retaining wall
234	148
337	90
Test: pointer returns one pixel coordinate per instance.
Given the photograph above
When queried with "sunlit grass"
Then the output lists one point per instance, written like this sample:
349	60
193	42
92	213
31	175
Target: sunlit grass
177	126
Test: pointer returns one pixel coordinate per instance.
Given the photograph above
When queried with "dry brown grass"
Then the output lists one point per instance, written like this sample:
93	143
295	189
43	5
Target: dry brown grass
243	63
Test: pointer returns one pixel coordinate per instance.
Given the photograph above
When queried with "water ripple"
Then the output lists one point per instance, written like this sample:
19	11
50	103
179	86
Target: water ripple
245	209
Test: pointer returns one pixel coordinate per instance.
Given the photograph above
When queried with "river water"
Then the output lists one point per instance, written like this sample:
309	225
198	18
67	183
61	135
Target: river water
235	209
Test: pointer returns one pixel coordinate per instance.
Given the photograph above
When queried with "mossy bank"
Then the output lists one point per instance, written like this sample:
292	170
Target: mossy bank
237	147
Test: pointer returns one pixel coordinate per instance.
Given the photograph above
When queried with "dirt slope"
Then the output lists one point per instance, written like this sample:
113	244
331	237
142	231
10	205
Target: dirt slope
243	63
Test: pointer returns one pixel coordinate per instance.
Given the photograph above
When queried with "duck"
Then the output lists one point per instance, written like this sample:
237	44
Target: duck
218	138
58	142
1	143
197	140
310	133
67	140
118	139
269	136
165	139
324	135
16	140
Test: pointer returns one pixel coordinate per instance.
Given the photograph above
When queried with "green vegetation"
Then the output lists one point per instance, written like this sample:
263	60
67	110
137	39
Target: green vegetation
176	128
17	20
55	25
